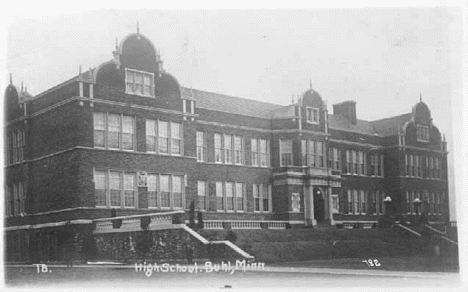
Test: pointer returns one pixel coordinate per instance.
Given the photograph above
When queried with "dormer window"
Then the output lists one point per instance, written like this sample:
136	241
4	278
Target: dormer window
422	133
312	115
139	83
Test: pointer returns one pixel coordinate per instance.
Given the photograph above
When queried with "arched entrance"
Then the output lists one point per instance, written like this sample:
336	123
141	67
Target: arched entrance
319	204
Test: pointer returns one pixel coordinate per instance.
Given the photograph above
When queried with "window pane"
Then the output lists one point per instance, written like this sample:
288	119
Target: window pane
129	186
177	190
218	147
150	136
114	130
201	195
228	148
219	196
254	149
128	133
229	197
240	196
152	191
115	189
100	188
163	137
176	138
165	192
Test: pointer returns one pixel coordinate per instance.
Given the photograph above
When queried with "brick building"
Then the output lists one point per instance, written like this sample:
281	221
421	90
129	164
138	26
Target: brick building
126	136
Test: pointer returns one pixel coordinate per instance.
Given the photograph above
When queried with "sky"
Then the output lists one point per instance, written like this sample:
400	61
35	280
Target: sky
382	58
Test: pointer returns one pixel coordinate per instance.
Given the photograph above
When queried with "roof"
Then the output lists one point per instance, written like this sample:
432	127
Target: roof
390	126
340	122
230	104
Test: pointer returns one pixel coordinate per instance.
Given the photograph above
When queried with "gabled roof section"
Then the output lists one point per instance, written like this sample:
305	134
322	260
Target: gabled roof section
390	126
340	122
230	104
383	127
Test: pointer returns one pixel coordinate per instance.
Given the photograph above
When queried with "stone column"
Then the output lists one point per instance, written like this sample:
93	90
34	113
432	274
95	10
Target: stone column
309	206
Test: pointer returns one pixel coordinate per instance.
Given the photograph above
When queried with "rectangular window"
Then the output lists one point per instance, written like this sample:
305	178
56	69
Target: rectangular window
431	167
357	208
229	197
151	136
115	186
176	138
380	168
312	115
177	191
152	191
264	153
320	154
114	131
373	206
99	129
311	154
238	150
164	184
202	195
350	202
219	196
201	148
129	188
355	163
362	163
240	196
266	198
286	152
422	133
349	162
218	148
100	188
436	167
21	137
228	149
163	139
256	196
337	159
128	135
363	201
16	196
139	83
254	151
416	166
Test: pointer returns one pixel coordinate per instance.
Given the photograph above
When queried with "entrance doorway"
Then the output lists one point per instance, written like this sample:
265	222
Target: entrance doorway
319	204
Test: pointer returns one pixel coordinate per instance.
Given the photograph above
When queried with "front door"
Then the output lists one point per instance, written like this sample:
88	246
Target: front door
319	205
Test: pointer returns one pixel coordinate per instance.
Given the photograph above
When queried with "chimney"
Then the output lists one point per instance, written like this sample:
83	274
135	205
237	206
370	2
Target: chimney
347	109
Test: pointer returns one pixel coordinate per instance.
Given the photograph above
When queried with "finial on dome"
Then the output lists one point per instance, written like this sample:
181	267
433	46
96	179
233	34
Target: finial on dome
11	78
116	44
21	86
420	97
310	83
138	26
79	73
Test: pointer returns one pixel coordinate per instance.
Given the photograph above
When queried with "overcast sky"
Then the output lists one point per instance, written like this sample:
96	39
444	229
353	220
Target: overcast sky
381	58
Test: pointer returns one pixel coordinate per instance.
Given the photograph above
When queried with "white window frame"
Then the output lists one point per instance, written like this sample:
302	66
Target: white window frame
290	141
122	189
133	92
170	138
120	133
312	115
202	195
201	146
422	133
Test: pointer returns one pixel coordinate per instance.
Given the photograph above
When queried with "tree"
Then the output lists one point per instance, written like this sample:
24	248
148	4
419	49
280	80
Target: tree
201	225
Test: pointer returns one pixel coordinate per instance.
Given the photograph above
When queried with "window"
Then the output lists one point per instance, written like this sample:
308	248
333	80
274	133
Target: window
202	195
129	188
177	191
334	158
335	204
115	189
9	159
17	199
218	148
377	203
286	152
262	198
152	191
113	131
238	150
139	83
312	115
416	166
313	153
363	201
436	168
350	202
176	138
229	197
219	196
240	197
264	153
201	146
431	167
355	163
165	191
349	162
254	146
362	163
15	146
164	137
228	149
422	133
